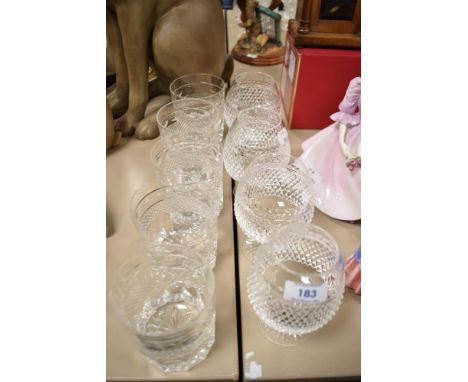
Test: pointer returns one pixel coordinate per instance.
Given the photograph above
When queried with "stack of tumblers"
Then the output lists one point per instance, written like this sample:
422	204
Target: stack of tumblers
166	298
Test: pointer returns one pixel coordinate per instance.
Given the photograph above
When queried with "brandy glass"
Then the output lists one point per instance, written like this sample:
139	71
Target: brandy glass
255	132
296	282
274	190
250	94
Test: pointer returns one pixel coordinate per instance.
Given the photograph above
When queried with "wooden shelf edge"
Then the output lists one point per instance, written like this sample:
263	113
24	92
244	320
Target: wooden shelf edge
323	40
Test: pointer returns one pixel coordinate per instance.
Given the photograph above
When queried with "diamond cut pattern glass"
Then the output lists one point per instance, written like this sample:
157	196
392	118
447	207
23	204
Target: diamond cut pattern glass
246	95
274	190
255	132
307	256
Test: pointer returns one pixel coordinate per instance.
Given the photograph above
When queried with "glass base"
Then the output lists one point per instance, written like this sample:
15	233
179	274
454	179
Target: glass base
178	362
179	355
281	339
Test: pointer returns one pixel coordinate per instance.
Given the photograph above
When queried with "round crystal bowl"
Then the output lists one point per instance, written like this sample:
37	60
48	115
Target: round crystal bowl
255	132
296	281
274	190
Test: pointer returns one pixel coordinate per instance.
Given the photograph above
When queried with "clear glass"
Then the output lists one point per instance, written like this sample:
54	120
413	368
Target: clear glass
254	78
187	121
168	306
250	94
255	132
202	86
192	168
166	217
274	190
296	282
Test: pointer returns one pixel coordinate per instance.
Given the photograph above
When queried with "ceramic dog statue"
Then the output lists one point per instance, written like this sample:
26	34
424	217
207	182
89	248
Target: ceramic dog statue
175	37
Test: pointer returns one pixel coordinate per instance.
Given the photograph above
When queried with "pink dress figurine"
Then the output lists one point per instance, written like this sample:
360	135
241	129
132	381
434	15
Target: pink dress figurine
353	271
333	156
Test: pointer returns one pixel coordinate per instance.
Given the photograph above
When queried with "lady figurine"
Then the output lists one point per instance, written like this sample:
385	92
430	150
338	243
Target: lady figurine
353	271
334	158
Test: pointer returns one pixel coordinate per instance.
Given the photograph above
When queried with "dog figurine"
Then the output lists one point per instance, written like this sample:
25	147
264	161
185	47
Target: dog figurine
174	37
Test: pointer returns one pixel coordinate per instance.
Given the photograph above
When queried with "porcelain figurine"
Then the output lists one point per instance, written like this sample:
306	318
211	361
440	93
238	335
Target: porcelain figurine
353	271
260	44
334	158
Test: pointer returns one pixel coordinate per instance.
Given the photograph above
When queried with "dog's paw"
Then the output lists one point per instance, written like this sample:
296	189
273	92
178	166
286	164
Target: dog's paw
126	124
147	128
156	103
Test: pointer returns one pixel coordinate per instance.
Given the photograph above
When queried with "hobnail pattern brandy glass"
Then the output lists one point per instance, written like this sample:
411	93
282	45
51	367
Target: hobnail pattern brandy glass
296	281
246	95
255	132
165	217
168	306
274	190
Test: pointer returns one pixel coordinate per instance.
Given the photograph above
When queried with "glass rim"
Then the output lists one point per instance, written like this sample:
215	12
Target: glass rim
164	188
164	117
316	231
242	115
170	193
183	100
256	72
160	146
273	101
172	105
221	84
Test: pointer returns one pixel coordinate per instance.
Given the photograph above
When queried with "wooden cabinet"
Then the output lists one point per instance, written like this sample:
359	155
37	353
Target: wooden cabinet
327	23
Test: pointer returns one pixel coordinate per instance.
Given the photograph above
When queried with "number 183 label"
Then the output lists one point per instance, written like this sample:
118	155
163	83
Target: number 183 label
304	292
